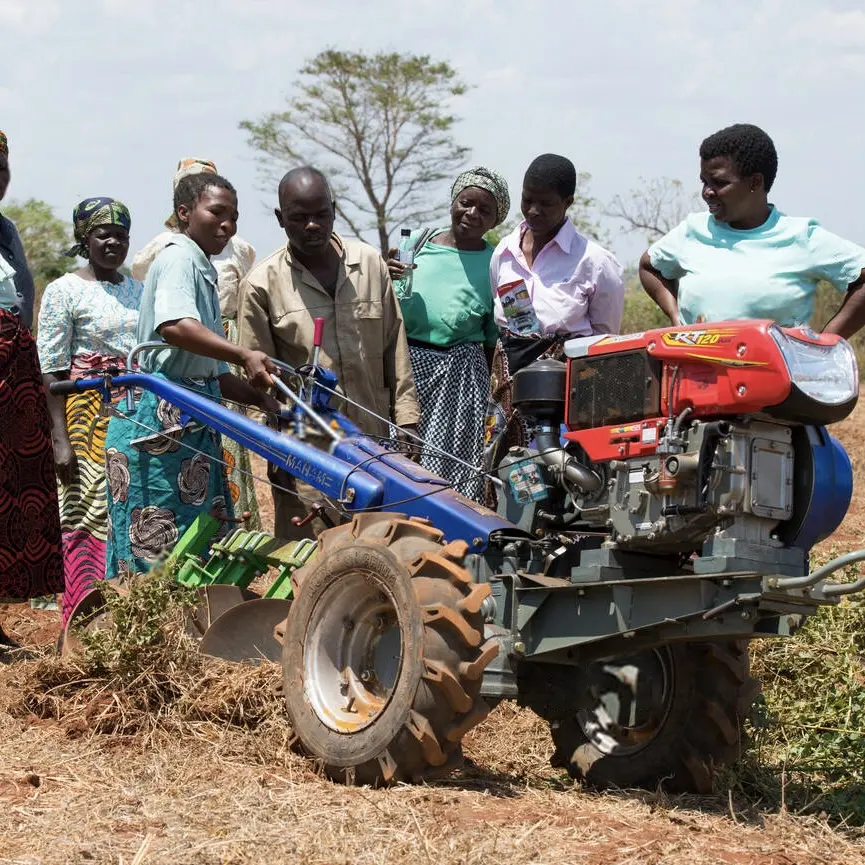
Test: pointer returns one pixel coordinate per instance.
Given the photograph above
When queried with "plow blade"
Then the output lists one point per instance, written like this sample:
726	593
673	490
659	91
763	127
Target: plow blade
245	632
213	601
89	615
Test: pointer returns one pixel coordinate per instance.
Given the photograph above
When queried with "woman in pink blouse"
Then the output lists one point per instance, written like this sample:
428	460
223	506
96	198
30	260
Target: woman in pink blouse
550	283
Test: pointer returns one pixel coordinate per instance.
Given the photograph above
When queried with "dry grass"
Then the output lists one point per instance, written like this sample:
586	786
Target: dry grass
190	761
213	794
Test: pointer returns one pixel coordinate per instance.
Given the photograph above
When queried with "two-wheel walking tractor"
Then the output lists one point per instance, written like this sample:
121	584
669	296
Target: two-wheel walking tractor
661	518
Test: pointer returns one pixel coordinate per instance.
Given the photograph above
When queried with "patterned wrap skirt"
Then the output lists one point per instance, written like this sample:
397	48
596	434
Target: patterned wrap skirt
452	389
31	558
163	470
84	501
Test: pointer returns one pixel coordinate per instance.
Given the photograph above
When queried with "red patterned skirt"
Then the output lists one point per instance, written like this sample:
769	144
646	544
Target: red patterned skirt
31	558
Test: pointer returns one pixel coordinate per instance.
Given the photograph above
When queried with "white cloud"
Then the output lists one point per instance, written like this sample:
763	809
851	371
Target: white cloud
34	16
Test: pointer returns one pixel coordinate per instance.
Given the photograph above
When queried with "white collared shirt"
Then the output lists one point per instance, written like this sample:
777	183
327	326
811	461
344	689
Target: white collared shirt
575	284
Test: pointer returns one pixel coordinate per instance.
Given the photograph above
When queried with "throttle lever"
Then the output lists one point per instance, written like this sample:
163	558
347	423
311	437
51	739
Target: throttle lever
315	510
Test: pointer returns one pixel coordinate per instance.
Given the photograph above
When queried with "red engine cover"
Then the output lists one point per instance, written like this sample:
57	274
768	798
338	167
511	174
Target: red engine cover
715	369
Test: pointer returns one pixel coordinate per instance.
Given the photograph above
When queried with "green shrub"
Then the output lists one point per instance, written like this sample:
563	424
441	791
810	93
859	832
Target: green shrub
143	630
641	312
825	306
808	730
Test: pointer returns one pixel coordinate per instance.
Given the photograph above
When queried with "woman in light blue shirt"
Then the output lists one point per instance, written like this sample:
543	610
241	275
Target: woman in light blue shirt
161	471
744	259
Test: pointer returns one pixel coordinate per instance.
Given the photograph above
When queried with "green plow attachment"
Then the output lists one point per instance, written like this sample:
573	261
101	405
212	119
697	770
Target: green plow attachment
232	621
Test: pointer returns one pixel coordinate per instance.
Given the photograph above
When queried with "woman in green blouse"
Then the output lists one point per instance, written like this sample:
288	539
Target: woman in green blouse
447	305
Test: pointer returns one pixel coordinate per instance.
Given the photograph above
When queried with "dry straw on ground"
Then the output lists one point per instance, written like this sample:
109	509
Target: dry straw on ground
144	751
210	795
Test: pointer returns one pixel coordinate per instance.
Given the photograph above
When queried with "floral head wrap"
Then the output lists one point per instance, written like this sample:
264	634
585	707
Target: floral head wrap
4	144
492	182
186	166
93	212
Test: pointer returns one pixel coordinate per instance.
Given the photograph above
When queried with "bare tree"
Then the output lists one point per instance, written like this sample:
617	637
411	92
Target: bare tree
379	126
658	205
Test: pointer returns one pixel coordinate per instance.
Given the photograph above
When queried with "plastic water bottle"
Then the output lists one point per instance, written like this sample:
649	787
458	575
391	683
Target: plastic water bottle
405	254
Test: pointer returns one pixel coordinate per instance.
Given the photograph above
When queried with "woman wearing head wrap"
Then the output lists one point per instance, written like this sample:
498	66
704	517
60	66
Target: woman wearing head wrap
87	322
232	265
31	562
449	321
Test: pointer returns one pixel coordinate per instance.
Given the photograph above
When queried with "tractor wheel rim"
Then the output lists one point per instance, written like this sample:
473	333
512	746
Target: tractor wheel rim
352	655
617	725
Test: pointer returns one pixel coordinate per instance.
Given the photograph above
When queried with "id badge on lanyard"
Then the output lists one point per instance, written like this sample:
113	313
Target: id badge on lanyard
518	308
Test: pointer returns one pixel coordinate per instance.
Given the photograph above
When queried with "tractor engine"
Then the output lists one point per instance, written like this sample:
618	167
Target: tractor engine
699	439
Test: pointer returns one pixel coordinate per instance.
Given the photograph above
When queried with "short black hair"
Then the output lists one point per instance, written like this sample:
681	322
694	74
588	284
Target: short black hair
749	148
190	188
304	171
550	171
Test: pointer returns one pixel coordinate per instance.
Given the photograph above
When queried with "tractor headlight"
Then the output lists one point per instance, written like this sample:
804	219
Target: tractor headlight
827	374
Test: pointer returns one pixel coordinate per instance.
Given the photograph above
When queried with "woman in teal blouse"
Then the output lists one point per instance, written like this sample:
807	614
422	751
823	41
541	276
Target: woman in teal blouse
449	322
744	258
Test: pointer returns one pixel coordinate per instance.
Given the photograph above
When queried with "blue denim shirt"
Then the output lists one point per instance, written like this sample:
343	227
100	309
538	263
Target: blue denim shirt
12	251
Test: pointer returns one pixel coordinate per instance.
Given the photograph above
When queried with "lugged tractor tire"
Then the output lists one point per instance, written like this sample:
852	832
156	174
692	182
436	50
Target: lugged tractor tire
383	652
697	729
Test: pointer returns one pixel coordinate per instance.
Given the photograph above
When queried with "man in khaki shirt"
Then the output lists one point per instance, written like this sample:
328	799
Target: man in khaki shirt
345	282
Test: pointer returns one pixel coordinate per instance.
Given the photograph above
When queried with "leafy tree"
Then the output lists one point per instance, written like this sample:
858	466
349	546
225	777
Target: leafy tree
655	207
45	238
379	126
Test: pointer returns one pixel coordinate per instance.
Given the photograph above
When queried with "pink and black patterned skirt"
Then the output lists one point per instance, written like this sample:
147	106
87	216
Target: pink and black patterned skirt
31	558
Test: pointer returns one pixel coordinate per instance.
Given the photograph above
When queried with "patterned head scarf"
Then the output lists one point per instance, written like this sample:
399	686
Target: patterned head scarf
188	165
489	180
4	144
93	212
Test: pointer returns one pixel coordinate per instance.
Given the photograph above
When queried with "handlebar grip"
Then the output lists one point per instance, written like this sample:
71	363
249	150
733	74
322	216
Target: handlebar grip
318	332
62	388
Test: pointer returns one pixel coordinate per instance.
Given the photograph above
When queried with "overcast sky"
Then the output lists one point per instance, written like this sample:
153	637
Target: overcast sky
102	97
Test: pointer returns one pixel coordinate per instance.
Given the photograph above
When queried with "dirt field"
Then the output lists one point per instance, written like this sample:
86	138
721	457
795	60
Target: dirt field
229	795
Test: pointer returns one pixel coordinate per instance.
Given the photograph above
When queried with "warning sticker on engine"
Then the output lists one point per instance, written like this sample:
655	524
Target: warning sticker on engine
526	483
